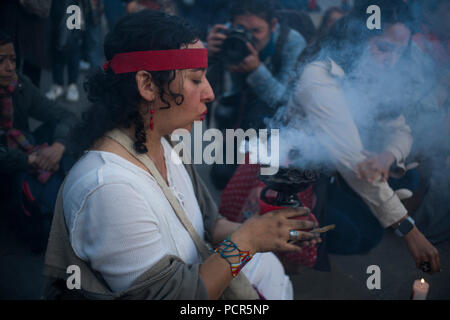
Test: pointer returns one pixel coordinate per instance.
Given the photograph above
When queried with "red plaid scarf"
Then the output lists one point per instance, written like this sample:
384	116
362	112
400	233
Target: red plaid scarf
6	106
14	137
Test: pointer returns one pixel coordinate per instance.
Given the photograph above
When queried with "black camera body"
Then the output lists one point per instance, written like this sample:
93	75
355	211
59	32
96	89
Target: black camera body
234	48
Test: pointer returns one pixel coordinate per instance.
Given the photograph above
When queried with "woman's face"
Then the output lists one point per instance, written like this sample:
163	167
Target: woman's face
7	64
197	91
387	48
260	29
334	17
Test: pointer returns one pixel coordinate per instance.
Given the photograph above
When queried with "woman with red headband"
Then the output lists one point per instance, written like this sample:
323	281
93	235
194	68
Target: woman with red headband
135	223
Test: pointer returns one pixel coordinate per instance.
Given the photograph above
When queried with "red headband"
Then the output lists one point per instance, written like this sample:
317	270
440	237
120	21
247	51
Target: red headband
158	60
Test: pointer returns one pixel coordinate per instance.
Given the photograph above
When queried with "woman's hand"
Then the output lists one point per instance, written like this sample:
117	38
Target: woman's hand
250	63
270	232
375	166
48	158
215	39
422	250
32	160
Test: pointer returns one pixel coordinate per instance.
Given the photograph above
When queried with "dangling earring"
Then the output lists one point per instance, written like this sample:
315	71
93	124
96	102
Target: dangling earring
151	117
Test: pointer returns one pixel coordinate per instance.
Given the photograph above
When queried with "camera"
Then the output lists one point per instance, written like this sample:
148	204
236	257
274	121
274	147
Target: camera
234	48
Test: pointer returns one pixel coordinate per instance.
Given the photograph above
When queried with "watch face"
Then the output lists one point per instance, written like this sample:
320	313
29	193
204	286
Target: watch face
405	226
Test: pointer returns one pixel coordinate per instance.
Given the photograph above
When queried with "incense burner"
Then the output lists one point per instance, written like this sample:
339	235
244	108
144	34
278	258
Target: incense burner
288	182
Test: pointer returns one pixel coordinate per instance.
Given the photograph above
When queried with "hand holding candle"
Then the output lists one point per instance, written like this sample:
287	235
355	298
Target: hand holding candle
420	290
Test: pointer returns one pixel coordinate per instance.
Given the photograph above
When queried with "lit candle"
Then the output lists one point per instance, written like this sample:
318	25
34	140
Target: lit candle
420	290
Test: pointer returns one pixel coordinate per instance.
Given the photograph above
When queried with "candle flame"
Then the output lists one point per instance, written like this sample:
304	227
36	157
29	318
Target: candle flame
422	281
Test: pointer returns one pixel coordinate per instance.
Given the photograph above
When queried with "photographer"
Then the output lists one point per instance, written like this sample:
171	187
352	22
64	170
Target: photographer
256	53
250	63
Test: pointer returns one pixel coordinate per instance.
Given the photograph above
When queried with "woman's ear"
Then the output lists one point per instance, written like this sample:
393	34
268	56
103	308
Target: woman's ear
145	85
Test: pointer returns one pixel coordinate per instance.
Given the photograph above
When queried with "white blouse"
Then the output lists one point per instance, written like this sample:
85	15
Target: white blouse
120	221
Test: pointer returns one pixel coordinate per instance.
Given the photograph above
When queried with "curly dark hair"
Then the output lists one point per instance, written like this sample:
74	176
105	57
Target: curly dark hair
115	97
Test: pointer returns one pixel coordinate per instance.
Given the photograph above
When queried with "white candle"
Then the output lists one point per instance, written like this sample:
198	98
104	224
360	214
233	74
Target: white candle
420	289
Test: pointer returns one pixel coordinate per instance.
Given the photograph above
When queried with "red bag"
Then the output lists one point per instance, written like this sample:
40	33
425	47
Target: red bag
240	200
308	255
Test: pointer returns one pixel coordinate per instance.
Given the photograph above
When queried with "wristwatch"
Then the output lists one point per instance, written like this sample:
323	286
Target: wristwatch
404	227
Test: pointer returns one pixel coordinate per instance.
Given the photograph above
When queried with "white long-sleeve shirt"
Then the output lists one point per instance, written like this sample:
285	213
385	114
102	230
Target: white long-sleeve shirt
120	221
320	97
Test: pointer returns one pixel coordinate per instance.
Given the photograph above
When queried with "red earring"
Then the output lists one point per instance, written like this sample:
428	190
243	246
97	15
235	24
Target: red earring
151	118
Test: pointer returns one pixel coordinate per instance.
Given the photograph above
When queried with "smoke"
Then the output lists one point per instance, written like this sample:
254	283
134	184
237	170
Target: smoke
375	95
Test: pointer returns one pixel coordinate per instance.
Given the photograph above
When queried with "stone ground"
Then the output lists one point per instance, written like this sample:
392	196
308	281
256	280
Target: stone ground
21	270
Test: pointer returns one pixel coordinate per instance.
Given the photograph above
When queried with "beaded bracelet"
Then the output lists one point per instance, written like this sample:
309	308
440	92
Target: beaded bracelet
225	250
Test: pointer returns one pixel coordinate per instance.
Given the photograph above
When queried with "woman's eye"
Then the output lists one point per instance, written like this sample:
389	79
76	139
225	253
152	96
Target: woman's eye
12	59
196	81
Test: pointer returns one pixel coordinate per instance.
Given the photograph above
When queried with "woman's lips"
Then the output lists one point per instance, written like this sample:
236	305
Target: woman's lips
202	117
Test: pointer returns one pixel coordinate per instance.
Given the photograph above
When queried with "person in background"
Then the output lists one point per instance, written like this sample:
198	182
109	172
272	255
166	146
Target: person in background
27	22
114	11
65	52
345	5
301	5
167	6
330	17
257	84
32	164
91	46
361	202
313	6
428	87
300	21
203	13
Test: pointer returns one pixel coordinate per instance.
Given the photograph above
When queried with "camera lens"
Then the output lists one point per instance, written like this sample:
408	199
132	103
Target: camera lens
234	48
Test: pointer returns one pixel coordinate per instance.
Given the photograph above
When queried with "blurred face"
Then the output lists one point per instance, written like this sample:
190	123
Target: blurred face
197	91
387	48
7	64
260	28
335	16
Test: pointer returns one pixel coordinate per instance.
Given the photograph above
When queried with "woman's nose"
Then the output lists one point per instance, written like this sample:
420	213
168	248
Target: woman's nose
10	65
208	95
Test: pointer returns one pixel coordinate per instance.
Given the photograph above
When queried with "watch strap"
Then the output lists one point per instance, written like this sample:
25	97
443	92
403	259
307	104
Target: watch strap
404	227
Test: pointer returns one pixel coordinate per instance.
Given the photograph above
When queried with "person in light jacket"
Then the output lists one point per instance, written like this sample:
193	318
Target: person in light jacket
361	202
